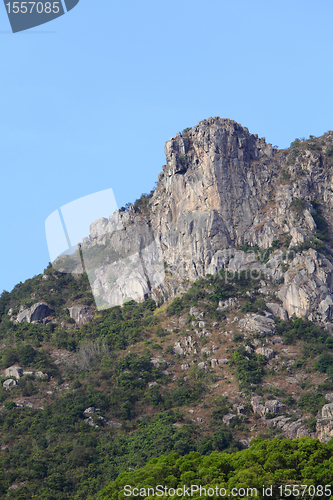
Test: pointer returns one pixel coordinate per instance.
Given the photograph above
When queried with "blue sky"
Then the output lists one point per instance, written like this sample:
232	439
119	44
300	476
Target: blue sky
89	100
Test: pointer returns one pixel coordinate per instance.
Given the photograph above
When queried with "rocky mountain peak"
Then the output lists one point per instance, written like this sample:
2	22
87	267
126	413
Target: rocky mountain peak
210	191
225	200
216	138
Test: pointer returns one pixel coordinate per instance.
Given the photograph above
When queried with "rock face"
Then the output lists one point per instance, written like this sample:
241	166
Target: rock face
324	428
35	314
208	194
307	286
289	428
222	187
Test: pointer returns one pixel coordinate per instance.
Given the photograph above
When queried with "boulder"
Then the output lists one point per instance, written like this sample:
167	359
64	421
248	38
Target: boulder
327	411
185	346
112	423
227	419
225	304
14	371
257	406
270	406
240	410
90	411
92	422
274	406
157	362
34	314
9	384
265	351
277	310
194	311
80	314
258	323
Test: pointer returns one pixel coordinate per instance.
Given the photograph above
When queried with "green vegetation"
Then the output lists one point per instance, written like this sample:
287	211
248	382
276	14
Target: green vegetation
58	290
285	176
297	142
141	204
321	223
311	402
329	152
274	463
58	455
183	160
316	341
298	205
249	368
214	289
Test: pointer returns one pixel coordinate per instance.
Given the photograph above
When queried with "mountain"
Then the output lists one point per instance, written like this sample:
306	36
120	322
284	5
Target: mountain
223	188
229	338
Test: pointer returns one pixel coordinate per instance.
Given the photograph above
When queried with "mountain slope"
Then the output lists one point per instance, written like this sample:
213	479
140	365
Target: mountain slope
235	343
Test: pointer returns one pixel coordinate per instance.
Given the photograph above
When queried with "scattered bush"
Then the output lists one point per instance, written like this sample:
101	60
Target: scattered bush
298	205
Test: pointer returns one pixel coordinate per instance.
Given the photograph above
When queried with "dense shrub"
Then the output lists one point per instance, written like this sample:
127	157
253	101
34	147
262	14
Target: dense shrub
276	463
249	367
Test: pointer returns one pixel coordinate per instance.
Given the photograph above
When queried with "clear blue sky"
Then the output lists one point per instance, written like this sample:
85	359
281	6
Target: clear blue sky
89	104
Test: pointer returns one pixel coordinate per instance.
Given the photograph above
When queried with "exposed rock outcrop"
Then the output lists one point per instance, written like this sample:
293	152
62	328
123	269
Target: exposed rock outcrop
265	351
81	315
9	384
185	346
270	406
277	310
291	429
35	314
13	371
258	323
324	427
307	289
